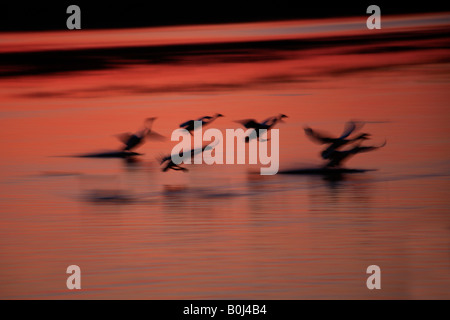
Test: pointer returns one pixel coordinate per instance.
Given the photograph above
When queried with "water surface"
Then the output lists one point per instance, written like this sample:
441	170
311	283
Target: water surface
224	232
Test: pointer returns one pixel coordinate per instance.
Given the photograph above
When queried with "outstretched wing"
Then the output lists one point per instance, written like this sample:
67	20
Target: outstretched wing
161	159
359	149
348	129
187	123
203	148
155	136
250	124
270	121
351	127
149	122
318	137
124	137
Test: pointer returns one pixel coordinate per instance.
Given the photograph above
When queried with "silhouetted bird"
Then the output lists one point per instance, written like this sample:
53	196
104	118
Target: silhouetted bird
132	140
332	153
336	143
189	125
265	125
191	153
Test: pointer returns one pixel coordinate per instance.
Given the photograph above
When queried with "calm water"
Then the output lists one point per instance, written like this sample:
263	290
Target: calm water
223	231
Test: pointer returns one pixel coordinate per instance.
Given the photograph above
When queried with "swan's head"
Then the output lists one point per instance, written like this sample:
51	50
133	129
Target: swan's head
283	116
219	115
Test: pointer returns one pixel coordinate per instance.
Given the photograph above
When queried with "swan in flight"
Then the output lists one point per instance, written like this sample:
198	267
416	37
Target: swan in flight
169	164
265	125
332	153
133	140
189	125
336	143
